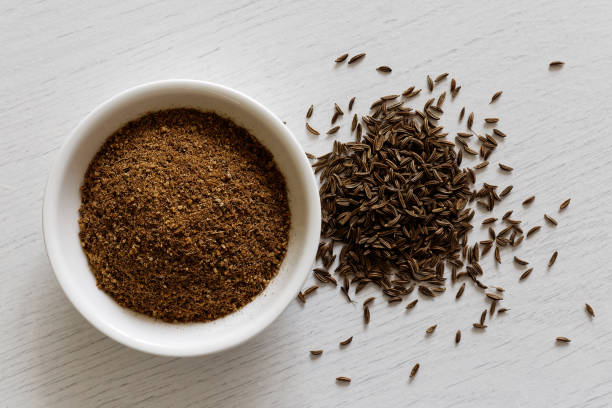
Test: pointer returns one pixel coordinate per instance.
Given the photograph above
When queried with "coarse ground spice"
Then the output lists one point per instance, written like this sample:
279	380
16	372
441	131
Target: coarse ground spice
184	216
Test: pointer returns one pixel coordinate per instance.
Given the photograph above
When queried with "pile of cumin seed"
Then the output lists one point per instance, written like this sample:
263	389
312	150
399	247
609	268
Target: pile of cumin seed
398	204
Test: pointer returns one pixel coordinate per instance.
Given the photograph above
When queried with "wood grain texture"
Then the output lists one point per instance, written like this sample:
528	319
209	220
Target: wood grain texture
60	59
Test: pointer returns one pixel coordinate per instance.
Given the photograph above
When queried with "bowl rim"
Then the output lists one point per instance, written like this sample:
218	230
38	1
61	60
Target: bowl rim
51	200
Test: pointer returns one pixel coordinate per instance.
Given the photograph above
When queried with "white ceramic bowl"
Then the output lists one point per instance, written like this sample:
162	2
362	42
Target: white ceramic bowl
62	201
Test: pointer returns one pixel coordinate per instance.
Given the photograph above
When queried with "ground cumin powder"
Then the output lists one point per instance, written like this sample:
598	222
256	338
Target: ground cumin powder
184	216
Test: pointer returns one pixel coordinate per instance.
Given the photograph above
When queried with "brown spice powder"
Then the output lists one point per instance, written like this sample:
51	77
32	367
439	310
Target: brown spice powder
184	216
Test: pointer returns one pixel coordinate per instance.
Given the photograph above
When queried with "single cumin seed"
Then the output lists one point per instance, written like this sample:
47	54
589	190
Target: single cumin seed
520	261
533	230
529	200
341	58
563	339
312	130
343	379
384	68
414	370
554	64
430	83
310	110
316	352
347	341
589	309
333	130
553	258
526	274
550	219
356	58
564	204
505	167
458	337
495	96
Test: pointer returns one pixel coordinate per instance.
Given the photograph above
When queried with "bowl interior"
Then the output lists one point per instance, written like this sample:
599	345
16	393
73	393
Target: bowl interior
62	201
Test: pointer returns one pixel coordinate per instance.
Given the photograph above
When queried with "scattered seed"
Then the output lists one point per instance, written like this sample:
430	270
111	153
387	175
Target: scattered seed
310	290
506	191
384	68
431	329
529	200
462	113
563	339
497	256
354	123
343	379
555	64
453	85
495	96
441	77
458	337
430	83
312	130
351	102
553	258
341	58
311	156
502	310
499	133
310	110
460	291
368	301
520	261
550	219
505	167
333	130
356	58
366	315
533	230
564	204
491	120
489	220
526	274
347	341
492	308
483	316
507	215
494	296
414	370
481	165
301	297
470	120
589	309
316	352
479	326
412	304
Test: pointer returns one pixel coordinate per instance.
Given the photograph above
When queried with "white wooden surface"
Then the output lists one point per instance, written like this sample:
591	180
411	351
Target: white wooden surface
60	59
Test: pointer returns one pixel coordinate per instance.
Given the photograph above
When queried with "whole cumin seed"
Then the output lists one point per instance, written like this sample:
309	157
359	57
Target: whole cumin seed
441	77
310	290
414	370
453	85
460	291
556	64
343	379
483	316
533	230
301	297
529	200
553	258
564	204
589	310
347	341
316	352
492	309
366	315
430	83
495	96
312	130
412	304
505	167
503	310
333	130
525	274
341	58
550	219
309	112
494	296
491	120
384	68
461	113
458	337
499	133
489	220
356	58
520	261
368	301
470	120
431	329
562	339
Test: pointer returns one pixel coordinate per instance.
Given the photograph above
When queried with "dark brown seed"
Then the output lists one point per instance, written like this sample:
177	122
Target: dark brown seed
520	261
316	352
503	310
495	96
529	200
564	204
341	58
430	83
556	64
481	165
426	291
499	133
354	123
351	102
497	256
456	91
507	214
494	296
479	326
356	58
431	329
368	301
550	219
453	85
343	379
408	91
505	167
311	156
441	77
491	120
492	308
412	304
589	309
441	99
460	291
470	120
563	339
462	113
310	290
333	130
518	241
338	109
553	258
347	341
301	297
335	117
499	289
533	230
506	191
414	370
458	337
526	274
366	315
489	220
310	110
312	130
483	316
383	68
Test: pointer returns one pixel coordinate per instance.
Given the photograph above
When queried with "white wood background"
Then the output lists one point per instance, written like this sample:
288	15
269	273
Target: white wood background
60	59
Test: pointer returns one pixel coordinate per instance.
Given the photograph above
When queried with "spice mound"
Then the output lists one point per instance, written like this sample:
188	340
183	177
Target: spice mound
184	216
